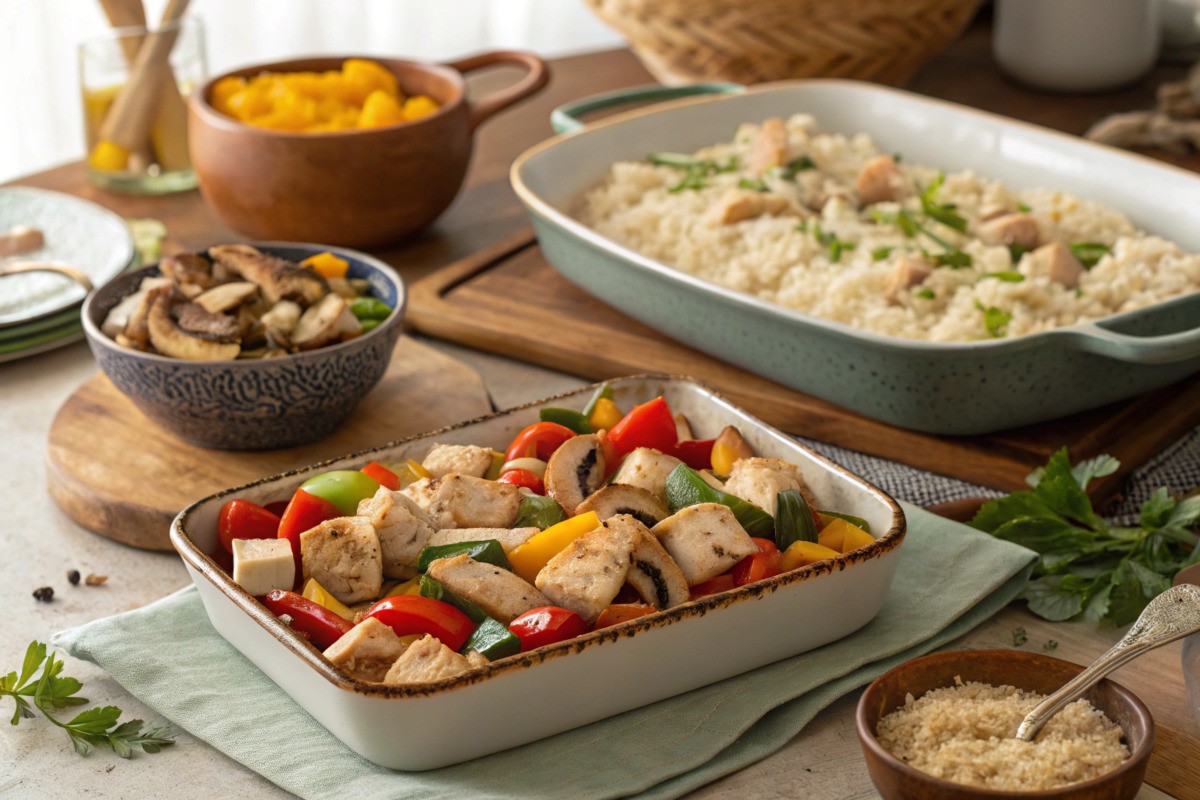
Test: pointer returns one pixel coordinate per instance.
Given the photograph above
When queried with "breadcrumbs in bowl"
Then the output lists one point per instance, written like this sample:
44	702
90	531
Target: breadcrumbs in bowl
944	726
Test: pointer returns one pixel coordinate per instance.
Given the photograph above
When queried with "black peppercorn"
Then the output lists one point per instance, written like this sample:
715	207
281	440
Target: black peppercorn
73	577
44	594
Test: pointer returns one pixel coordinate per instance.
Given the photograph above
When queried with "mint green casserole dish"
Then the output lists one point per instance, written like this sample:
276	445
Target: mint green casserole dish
947	388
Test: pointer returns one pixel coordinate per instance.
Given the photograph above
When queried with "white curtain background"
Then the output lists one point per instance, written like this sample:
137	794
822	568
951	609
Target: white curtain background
40	109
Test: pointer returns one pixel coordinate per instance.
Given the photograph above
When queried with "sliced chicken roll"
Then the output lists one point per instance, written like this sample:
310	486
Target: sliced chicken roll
624	499
575	470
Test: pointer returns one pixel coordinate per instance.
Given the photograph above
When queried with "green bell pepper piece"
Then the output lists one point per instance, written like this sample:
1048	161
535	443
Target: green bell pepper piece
685	488
538	512
566	417
342	487
793	520
492	639
488	550
369	308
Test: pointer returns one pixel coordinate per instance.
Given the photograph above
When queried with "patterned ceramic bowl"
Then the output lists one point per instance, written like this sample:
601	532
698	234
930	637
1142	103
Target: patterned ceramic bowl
258	404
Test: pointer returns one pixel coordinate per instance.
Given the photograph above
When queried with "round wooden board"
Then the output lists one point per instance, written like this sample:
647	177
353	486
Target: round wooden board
116	473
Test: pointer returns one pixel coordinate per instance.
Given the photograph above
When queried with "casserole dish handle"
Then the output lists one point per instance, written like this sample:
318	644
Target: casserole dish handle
1167	348
565	118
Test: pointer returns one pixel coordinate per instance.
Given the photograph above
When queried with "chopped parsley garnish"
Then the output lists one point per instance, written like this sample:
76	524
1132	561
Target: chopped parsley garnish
800	164
994	319
880	253
829	239
1024	208
1015	251
910	226
945	213
1007	275
754	185
697	170
1089	253
952	257
1019	637
925	292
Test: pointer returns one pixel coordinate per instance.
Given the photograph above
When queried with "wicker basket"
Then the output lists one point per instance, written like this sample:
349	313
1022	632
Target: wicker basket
749	41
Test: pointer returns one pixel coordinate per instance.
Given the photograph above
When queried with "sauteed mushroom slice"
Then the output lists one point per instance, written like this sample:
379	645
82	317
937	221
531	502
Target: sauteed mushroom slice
171	340
327	321
279	279
635	501
118	317
574	471
188	269
227	296
195	320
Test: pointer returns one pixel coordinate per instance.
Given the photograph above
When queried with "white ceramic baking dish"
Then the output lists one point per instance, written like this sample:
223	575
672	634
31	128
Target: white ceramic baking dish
536	694
953	388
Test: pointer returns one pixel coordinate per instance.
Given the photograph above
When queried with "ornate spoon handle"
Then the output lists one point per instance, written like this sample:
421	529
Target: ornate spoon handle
1172	615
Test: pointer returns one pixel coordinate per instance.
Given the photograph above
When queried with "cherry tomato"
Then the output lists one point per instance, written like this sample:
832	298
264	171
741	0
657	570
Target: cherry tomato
649	425
721	583
409	614
622	612
241	519
303	513
546	625
696	453
538	440
763	564
523	477
322	626
382	475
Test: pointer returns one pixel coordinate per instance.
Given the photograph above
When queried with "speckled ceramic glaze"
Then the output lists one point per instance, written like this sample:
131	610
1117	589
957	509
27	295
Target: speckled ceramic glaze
258	404
957	388
530	695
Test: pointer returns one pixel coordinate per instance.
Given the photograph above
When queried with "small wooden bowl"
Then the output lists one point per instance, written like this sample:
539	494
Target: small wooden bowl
358	188
896	780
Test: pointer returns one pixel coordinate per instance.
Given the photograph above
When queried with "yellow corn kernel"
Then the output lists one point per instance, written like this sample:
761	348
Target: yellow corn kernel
419	106
800	554
380	109
729	448
108	156
604	415
318	594
327	265
843	536
528	559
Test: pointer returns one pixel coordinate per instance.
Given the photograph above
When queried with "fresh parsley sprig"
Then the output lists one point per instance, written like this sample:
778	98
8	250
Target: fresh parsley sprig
1086	566
95	727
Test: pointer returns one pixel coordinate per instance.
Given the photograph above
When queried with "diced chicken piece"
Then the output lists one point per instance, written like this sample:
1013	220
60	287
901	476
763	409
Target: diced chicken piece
343	555
420	492
21	239
878	180
588	574
711	480
646	468
465	459
905	274
477	659
1009	229
424	661
503	595
1056	262
769	148
737	205
260	565
460	501
759	480
509	538
402	526
705	540
575	470
652	571
367	651
616	499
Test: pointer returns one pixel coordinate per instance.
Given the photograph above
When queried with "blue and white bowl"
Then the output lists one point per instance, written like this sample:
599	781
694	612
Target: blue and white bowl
253	404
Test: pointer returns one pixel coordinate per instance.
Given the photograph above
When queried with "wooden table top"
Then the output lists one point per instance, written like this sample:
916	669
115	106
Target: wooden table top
824	761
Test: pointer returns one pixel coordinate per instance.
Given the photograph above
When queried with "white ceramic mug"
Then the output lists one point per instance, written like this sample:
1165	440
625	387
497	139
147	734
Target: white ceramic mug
1076	45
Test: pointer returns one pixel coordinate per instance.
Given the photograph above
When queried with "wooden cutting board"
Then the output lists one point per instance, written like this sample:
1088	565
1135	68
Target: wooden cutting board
116	473
509	300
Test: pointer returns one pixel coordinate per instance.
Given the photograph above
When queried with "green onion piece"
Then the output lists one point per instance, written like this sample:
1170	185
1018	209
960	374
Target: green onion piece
994	319
1089	253
926	293
538	512
369	308
796	165
1008	276
488	550
880	253
1024	208
953	258
567	417
793	520
853	520
686	488
1015	251
492	639
435	590
754	185
604	392
677	160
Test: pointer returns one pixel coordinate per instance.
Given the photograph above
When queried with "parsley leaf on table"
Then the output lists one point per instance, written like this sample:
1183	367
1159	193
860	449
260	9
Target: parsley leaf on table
1086	566
95	727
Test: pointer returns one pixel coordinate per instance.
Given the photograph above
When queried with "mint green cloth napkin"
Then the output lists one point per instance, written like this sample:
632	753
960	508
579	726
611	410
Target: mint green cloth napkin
950	578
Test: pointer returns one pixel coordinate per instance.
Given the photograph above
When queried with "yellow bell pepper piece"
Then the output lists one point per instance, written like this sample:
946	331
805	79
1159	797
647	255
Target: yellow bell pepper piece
108	156
411	586
843	536
327	265
497	462
317	593
528	559
800	554
729	448
604	415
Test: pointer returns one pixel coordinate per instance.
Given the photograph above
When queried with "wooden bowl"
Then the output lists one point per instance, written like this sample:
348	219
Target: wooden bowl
358	188
895	780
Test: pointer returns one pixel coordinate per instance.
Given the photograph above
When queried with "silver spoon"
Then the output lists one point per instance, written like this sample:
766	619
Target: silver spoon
1172	615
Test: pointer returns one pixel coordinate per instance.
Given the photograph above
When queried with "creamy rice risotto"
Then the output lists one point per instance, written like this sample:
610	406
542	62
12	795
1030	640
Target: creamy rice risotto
966	734
829	225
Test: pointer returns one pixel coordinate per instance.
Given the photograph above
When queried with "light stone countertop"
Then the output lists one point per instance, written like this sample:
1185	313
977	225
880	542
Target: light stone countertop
39	544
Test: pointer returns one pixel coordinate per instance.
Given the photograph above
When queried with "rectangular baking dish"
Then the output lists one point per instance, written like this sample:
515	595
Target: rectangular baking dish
529	696
954	388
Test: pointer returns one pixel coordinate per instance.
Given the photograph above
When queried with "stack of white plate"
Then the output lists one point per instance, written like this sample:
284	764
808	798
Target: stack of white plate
40	311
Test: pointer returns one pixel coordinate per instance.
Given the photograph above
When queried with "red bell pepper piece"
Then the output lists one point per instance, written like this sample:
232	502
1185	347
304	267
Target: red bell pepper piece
721	583
409	614
696	453
622	612
538	440
539	627
523	477
242	519
648	425
277	507
763	564
382	475
304	512
322	626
